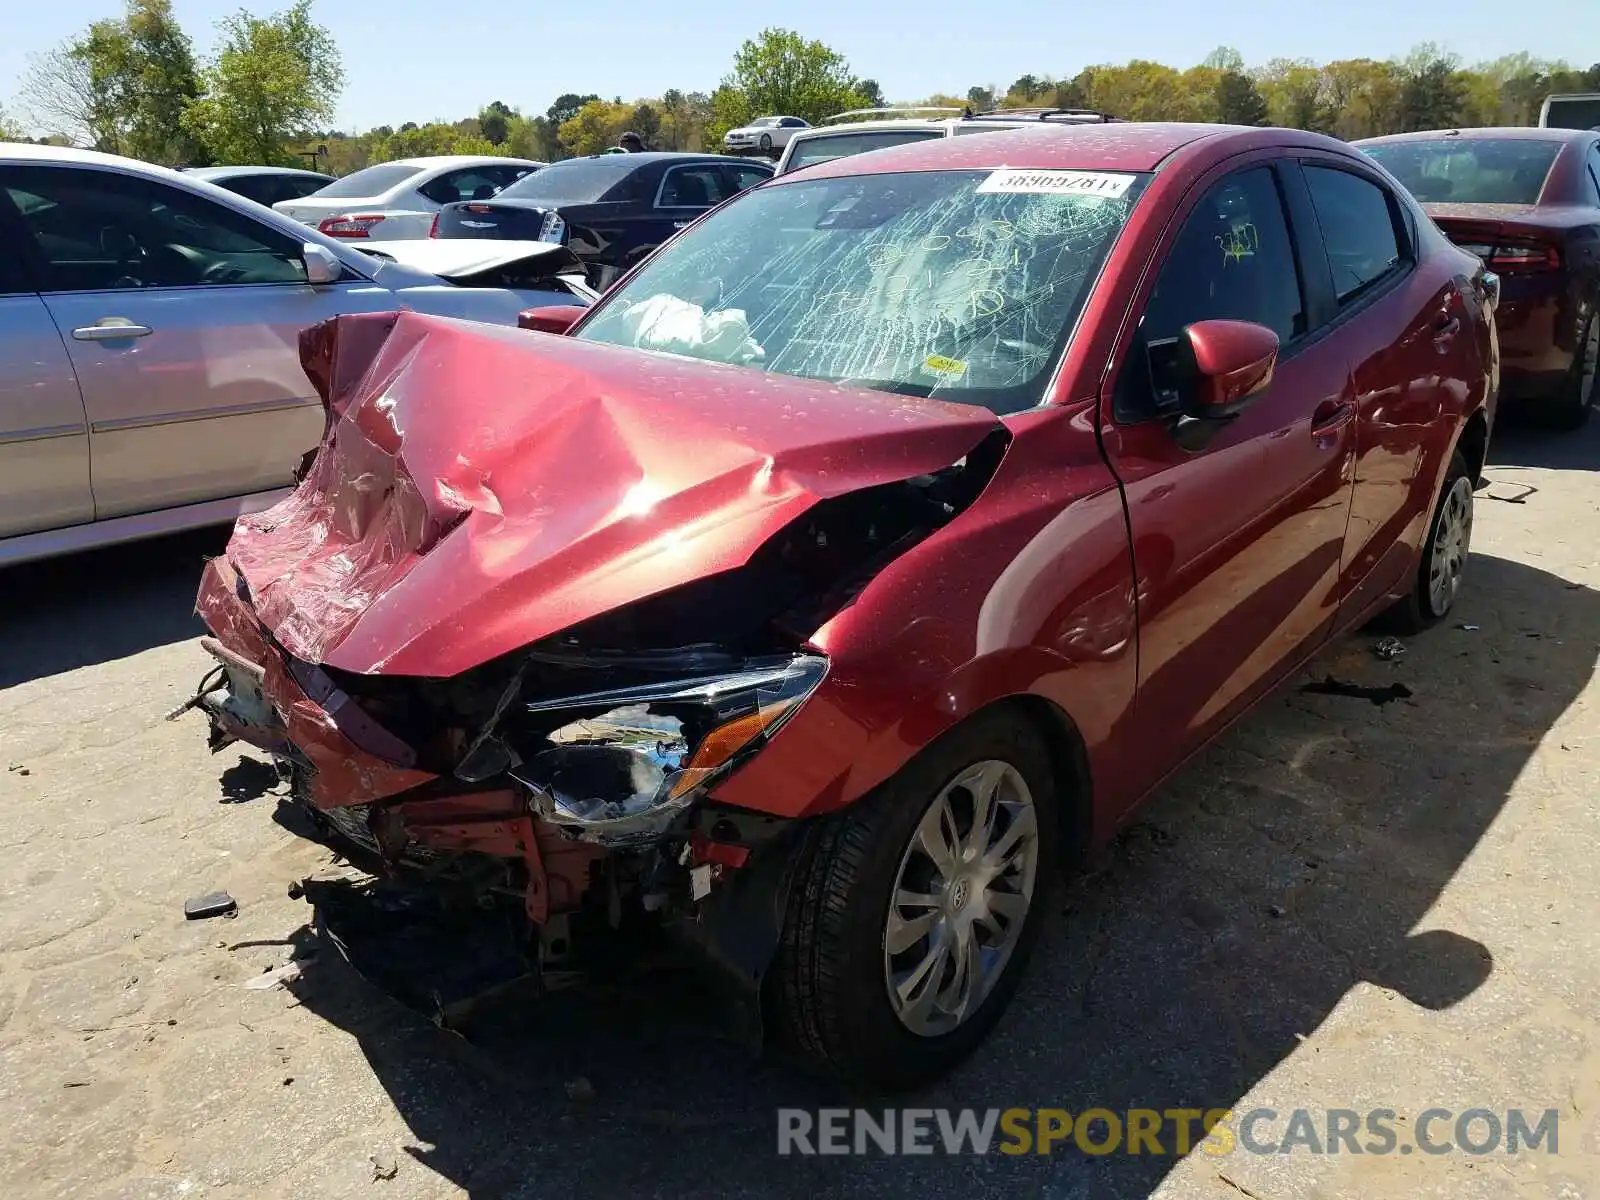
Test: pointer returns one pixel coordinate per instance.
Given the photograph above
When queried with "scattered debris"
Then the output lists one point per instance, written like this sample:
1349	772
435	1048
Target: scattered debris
288	1080
76	1083
384	1166
287	973
1389	649
19	769
1329	686
1240	1188
1277	910
1468	628
580	1089
212	904
1520	497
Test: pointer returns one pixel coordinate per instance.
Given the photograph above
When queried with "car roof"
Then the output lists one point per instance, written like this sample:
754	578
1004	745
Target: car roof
1529	133
431	161
822	131
239	172
1118	146
656	156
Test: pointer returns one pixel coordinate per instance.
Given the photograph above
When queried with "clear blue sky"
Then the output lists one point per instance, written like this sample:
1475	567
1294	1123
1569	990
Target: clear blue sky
416	60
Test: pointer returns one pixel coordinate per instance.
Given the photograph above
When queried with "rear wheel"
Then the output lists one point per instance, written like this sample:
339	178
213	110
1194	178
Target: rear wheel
1581	390
912	913
1444	556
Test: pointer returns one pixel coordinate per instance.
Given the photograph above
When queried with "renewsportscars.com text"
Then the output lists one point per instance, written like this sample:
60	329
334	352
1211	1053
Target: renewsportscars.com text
1169	1131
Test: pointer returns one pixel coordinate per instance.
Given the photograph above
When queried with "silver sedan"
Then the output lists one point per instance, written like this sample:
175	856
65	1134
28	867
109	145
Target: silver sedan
150	376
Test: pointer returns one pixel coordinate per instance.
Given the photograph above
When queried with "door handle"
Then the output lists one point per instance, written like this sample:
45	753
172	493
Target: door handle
1330	417
111	329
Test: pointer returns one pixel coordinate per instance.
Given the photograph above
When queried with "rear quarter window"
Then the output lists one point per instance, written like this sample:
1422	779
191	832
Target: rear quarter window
1357	219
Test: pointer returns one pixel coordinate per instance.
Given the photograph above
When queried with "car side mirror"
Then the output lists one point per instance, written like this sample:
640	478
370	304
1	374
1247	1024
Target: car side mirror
322	265
1229	362
552	318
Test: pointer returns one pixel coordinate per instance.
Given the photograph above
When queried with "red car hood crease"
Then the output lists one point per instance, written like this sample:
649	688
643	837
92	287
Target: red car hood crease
481	488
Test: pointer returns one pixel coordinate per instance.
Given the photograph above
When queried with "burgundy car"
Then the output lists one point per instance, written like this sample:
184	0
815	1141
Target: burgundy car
864	556
1528	202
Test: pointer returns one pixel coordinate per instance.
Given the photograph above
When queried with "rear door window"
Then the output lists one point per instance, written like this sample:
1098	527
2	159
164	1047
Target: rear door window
1358	224
698	186
473	183
746	177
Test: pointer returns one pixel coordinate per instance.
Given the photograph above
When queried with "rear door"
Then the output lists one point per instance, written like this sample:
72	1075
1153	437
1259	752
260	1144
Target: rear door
1413	356
182	318
1237	535
44	434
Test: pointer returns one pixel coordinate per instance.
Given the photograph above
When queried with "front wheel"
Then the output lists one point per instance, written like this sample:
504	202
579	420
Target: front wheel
1444	556
766	143
912	913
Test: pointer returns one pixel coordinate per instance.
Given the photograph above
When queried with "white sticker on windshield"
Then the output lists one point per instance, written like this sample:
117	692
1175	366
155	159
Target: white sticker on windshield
1014	182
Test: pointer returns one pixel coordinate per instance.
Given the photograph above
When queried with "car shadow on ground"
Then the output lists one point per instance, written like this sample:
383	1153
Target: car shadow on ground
54	614
1293	862
1520	441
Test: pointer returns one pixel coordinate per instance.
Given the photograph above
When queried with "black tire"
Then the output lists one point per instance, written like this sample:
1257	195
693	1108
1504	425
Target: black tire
1574	402
829	987
1417	611
766	143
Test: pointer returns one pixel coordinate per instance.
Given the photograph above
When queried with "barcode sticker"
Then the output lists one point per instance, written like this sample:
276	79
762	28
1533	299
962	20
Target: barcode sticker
1056	183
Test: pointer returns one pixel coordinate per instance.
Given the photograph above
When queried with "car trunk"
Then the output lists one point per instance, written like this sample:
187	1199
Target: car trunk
504	222
1508	237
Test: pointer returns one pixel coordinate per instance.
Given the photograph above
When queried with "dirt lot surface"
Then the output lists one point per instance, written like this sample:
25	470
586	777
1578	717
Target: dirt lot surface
1344	905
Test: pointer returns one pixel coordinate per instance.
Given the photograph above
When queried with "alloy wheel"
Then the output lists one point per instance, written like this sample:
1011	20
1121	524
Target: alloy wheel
1452	539
961	898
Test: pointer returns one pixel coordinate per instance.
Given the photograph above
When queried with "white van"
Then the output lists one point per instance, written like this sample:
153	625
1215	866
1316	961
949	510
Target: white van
1572	110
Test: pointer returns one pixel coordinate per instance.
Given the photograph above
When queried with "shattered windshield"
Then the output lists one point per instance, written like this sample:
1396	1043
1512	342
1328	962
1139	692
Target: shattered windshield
963	285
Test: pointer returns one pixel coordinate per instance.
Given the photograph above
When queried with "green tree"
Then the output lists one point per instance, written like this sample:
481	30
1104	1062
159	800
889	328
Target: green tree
1238	100
566	107
595	127
870	92
10	129
646	122
1432	92
1295	93
273	78
494	122
980	98
779	71
162	81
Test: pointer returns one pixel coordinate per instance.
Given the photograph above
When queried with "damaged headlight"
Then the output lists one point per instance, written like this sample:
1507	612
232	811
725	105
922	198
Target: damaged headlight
639	755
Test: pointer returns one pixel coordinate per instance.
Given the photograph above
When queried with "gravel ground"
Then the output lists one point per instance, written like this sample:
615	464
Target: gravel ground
1341	906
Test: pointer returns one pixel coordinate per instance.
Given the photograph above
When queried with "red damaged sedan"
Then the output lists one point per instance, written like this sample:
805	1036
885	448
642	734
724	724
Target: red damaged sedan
1528	202
865	555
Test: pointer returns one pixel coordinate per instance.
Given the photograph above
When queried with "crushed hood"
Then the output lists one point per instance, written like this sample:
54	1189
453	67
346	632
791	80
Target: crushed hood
481	488
463	260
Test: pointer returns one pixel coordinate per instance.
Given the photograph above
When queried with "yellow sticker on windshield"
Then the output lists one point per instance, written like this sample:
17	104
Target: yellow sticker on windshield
944	368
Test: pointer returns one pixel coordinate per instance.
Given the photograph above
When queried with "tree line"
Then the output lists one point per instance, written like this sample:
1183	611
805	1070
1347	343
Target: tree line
134	85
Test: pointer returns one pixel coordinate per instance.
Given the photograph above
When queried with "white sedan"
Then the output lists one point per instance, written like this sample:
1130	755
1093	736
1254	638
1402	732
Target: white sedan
393	200
150	371
764	135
